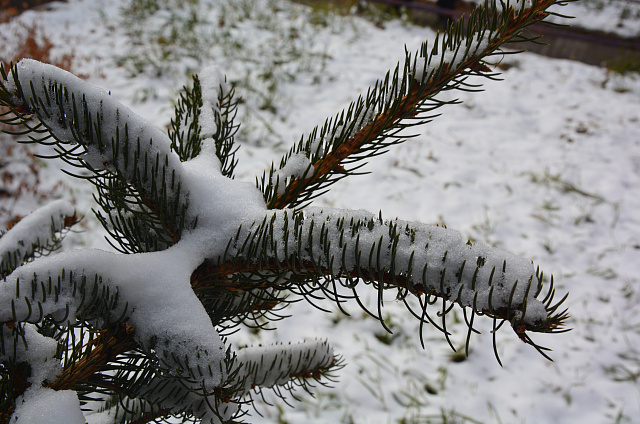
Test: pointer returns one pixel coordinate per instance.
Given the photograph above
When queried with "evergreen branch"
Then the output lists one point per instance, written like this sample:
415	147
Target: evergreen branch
185	129
230	308
39	233
146	389
403	99
208	115
134	223
90	130
334	251
173	355
285	366
70	285
106	314
42	301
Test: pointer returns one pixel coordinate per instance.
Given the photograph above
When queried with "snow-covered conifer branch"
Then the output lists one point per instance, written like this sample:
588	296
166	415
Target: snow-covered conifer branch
131	161
38	233
99	287
205	113
150	394
297	252
285	366
405	98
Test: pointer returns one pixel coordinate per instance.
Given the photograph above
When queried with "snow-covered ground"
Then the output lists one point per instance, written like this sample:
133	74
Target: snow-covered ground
545	164
618	17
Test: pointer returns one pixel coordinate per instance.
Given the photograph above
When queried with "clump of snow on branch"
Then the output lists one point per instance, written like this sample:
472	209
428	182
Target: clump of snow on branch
37	229
297	166
35	349
39	404
424	67
213	86
276	365
47	406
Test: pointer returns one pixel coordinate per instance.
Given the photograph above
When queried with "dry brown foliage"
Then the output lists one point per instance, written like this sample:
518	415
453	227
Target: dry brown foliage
21	187
12	8
29	41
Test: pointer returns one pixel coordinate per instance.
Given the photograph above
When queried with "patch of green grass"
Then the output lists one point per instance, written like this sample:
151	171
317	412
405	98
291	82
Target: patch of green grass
260	45
444	417
549	179
625	65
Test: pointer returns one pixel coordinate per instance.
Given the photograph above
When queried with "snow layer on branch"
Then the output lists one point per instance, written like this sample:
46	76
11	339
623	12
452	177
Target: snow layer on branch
423	257
297	166
154	287
268	366
35	230
220	203
39	352
135	142
435	257
40	405
213	87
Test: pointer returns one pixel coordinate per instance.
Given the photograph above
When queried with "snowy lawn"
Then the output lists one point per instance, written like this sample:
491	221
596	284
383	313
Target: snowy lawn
545	164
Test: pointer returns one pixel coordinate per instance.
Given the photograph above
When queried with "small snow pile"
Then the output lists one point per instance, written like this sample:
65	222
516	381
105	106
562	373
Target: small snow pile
258	364
424	67
213	87
37	350
297	166
519	4
40	405
122	133
36	229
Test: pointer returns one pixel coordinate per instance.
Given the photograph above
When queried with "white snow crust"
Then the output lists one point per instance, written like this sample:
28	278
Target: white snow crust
40	405
298	166
36	229
267	366
213	86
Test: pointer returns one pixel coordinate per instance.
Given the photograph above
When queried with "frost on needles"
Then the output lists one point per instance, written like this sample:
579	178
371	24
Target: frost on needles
141	332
